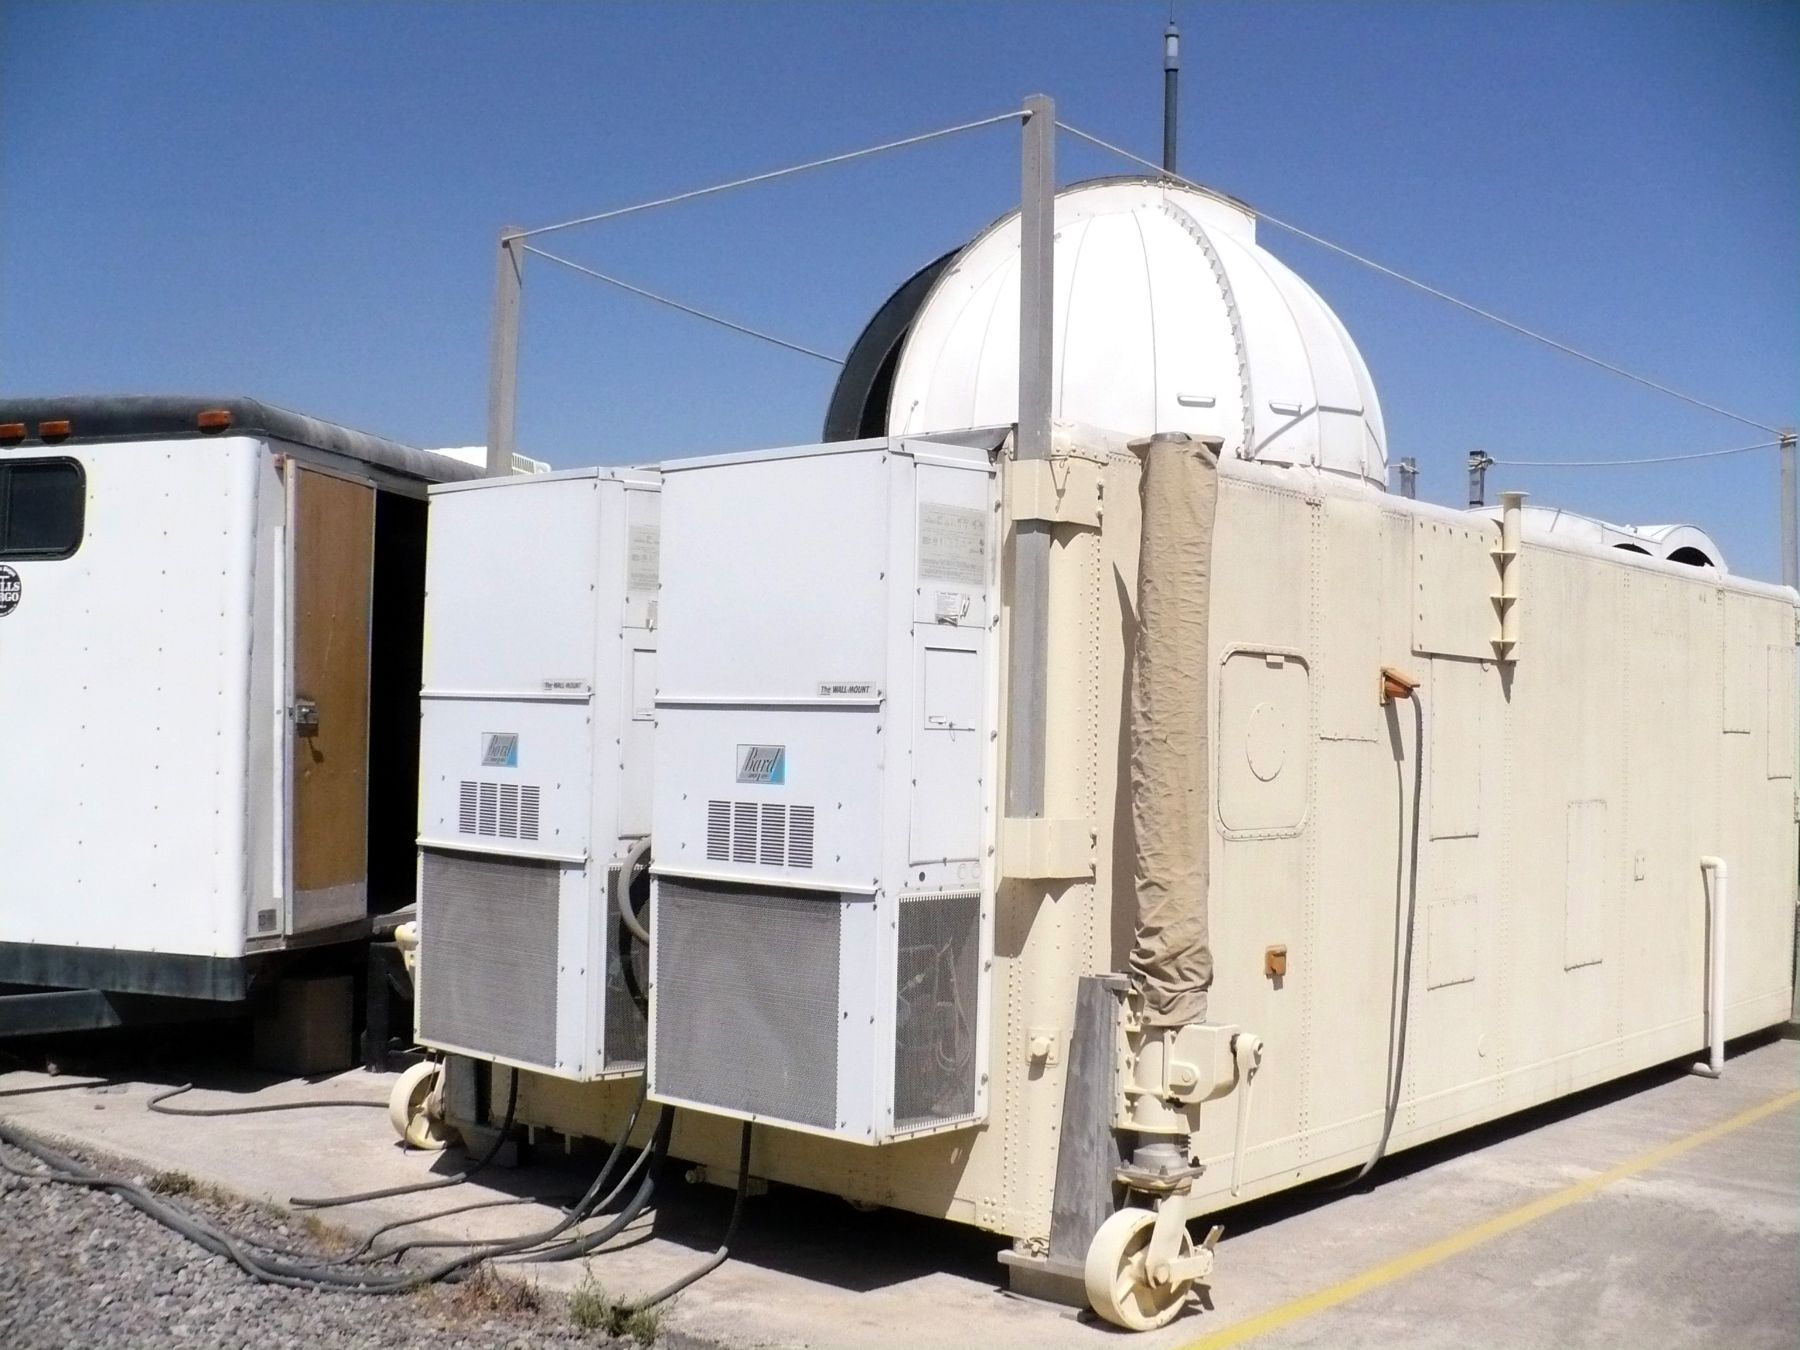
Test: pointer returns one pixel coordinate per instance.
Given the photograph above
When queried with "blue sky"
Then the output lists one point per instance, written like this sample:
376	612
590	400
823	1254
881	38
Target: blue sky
299	202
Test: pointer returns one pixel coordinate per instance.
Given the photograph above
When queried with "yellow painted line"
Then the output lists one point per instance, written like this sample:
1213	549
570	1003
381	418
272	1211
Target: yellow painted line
1425	1257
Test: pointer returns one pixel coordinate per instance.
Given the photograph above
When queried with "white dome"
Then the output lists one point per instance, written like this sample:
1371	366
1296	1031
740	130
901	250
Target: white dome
1169	317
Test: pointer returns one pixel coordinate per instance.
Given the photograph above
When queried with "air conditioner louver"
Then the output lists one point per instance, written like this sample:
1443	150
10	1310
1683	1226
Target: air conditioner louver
498	810
769	834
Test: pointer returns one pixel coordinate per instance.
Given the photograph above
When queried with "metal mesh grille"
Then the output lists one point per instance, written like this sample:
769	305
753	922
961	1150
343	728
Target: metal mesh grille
747	999
936	991
626	1031
487	953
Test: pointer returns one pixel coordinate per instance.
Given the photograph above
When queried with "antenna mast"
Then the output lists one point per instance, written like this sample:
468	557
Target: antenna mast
1171	77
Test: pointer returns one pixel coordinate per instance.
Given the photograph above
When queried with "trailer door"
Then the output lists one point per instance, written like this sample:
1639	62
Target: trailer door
331	560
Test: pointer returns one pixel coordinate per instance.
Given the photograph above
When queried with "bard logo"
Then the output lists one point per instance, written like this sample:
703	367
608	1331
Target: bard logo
10	591
499	749
762	764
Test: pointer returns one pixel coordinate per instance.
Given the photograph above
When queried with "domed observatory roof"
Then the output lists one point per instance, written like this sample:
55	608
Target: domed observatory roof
1169	317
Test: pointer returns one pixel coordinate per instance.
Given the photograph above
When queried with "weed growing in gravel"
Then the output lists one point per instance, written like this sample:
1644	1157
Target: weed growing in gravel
173	1183
592	1309
482	1292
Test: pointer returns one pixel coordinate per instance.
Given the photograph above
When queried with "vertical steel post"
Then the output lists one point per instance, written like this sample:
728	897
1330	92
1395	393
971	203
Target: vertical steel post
1478	467
1028	654
503	354
1790	514
1171	79
1409	477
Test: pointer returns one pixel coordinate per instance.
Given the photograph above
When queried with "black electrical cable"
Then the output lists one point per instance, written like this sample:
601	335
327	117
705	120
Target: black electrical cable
222	1242
590	1201
717	1259
365	1250
436	1183
156	1105
650	1159
1406	891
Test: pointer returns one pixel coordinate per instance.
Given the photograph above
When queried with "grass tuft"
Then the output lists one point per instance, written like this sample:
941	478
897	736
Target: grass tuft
592	1309
483	1293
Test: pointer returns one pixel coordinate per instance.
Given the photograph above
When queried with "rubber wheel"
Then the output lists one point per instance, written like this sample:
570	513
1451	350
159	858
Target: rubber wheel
406	1109
1118	1284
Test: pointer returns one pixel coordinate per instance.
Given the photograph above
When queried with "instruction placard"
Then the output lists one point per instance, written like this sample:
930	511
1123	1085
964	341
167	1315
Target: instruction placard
953	543
644	544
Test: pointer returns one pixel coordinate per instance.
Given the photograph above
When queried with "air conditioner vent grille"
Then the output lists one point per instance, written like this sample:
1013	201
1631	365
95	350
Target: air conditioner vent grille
718	831
770	834
498	810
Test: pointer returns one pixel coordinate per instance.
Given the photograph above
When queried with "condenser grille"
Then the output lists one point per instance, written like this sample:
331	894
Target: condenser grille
936	984
747	999
498	810
772	834
487	935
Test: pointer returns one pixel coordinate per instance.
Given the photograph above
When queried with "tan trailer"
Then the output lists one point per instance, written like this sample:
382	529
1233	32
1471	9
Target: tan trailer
1433	812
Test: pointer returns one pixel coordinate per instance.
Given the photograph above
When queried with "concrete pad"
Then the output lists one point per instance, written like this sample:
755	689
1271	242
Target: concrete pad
1703	1249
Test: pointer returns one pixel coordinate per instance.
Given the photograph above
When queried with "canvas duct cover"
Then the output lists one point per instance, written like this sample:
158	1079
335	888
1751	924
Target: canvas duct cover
1171	960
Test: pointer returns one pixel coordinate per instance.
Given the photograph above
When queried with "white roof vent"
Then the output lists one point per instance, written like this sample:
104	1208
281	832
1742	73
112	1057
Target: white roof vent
1169	317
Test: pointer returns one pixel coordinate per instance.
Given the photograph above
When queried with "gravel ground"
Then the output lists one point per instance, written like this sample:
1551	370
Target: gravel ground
80	1267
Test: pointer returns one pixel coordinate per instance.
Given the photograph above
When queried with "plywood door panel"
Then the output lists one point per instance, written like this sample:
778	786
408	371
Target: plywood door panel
333	557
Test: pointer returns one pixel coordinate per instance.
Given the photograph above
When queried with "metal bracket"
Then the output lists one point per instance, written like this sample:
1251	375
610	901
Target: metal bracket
1035	849
1059	491
305	716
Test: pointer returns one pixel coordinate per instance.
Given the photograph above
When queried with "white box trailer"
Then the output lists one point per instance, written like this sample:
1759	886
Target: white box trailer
210	615
539	674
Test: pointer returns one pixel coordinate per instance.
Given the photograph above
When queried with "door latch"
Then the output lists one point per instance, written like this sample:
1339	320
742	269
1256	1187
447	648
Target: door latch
305	714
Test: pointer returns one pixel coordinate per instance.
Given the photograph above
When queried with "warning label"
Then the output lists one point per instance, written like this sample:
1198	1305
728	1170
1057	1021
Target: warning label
952	543
644	544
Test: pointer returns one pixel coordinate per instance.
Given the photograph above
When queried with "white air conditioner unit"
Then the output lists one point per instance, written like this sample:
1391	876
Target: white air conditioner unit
535	749
824	804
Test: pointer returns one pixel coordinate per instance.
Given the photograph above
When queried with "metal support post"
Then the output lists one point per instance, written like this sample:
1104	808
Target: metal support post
1409	477
1171	79
1028	650
503	354
1790	514
1478	467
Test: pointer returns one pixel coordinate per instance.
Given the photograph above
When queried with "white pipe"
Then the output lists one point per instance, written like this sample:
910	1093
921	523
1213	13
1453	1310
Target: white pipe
622	891
1715	969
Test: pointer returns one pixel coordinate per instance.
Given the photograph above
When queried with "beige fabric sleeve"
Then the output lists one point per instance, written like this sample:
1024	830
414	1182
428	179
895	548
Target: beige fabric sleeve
1171	960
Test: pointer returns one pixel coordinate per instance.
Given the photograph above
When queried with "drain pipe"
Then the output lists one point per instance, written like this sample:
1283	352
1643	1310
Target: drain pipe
1715	968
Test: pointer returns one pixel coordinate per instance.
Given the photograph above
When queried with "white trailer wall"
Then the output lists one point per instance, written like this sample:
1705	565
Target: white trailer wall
125	679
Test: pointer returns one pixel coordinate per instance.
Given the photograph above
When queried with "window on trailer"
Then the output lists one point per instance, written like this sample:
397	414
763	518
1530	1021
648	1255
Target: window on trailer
43	505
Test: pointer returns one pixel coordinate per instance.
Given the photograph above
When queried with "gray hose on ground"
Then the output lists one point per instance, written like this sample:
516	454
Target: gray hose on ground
653	1156
221	1242
436	1183
156	1105
717	1259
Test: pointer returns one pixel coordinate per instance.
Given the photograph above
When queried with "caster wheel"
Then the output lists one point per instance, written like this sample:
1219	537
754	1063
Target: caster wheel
407	1109
1118	1282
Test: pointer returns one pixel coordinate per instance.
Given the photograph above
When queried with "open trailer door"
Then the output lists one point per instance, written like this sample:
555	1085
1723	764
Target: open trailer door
331	560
